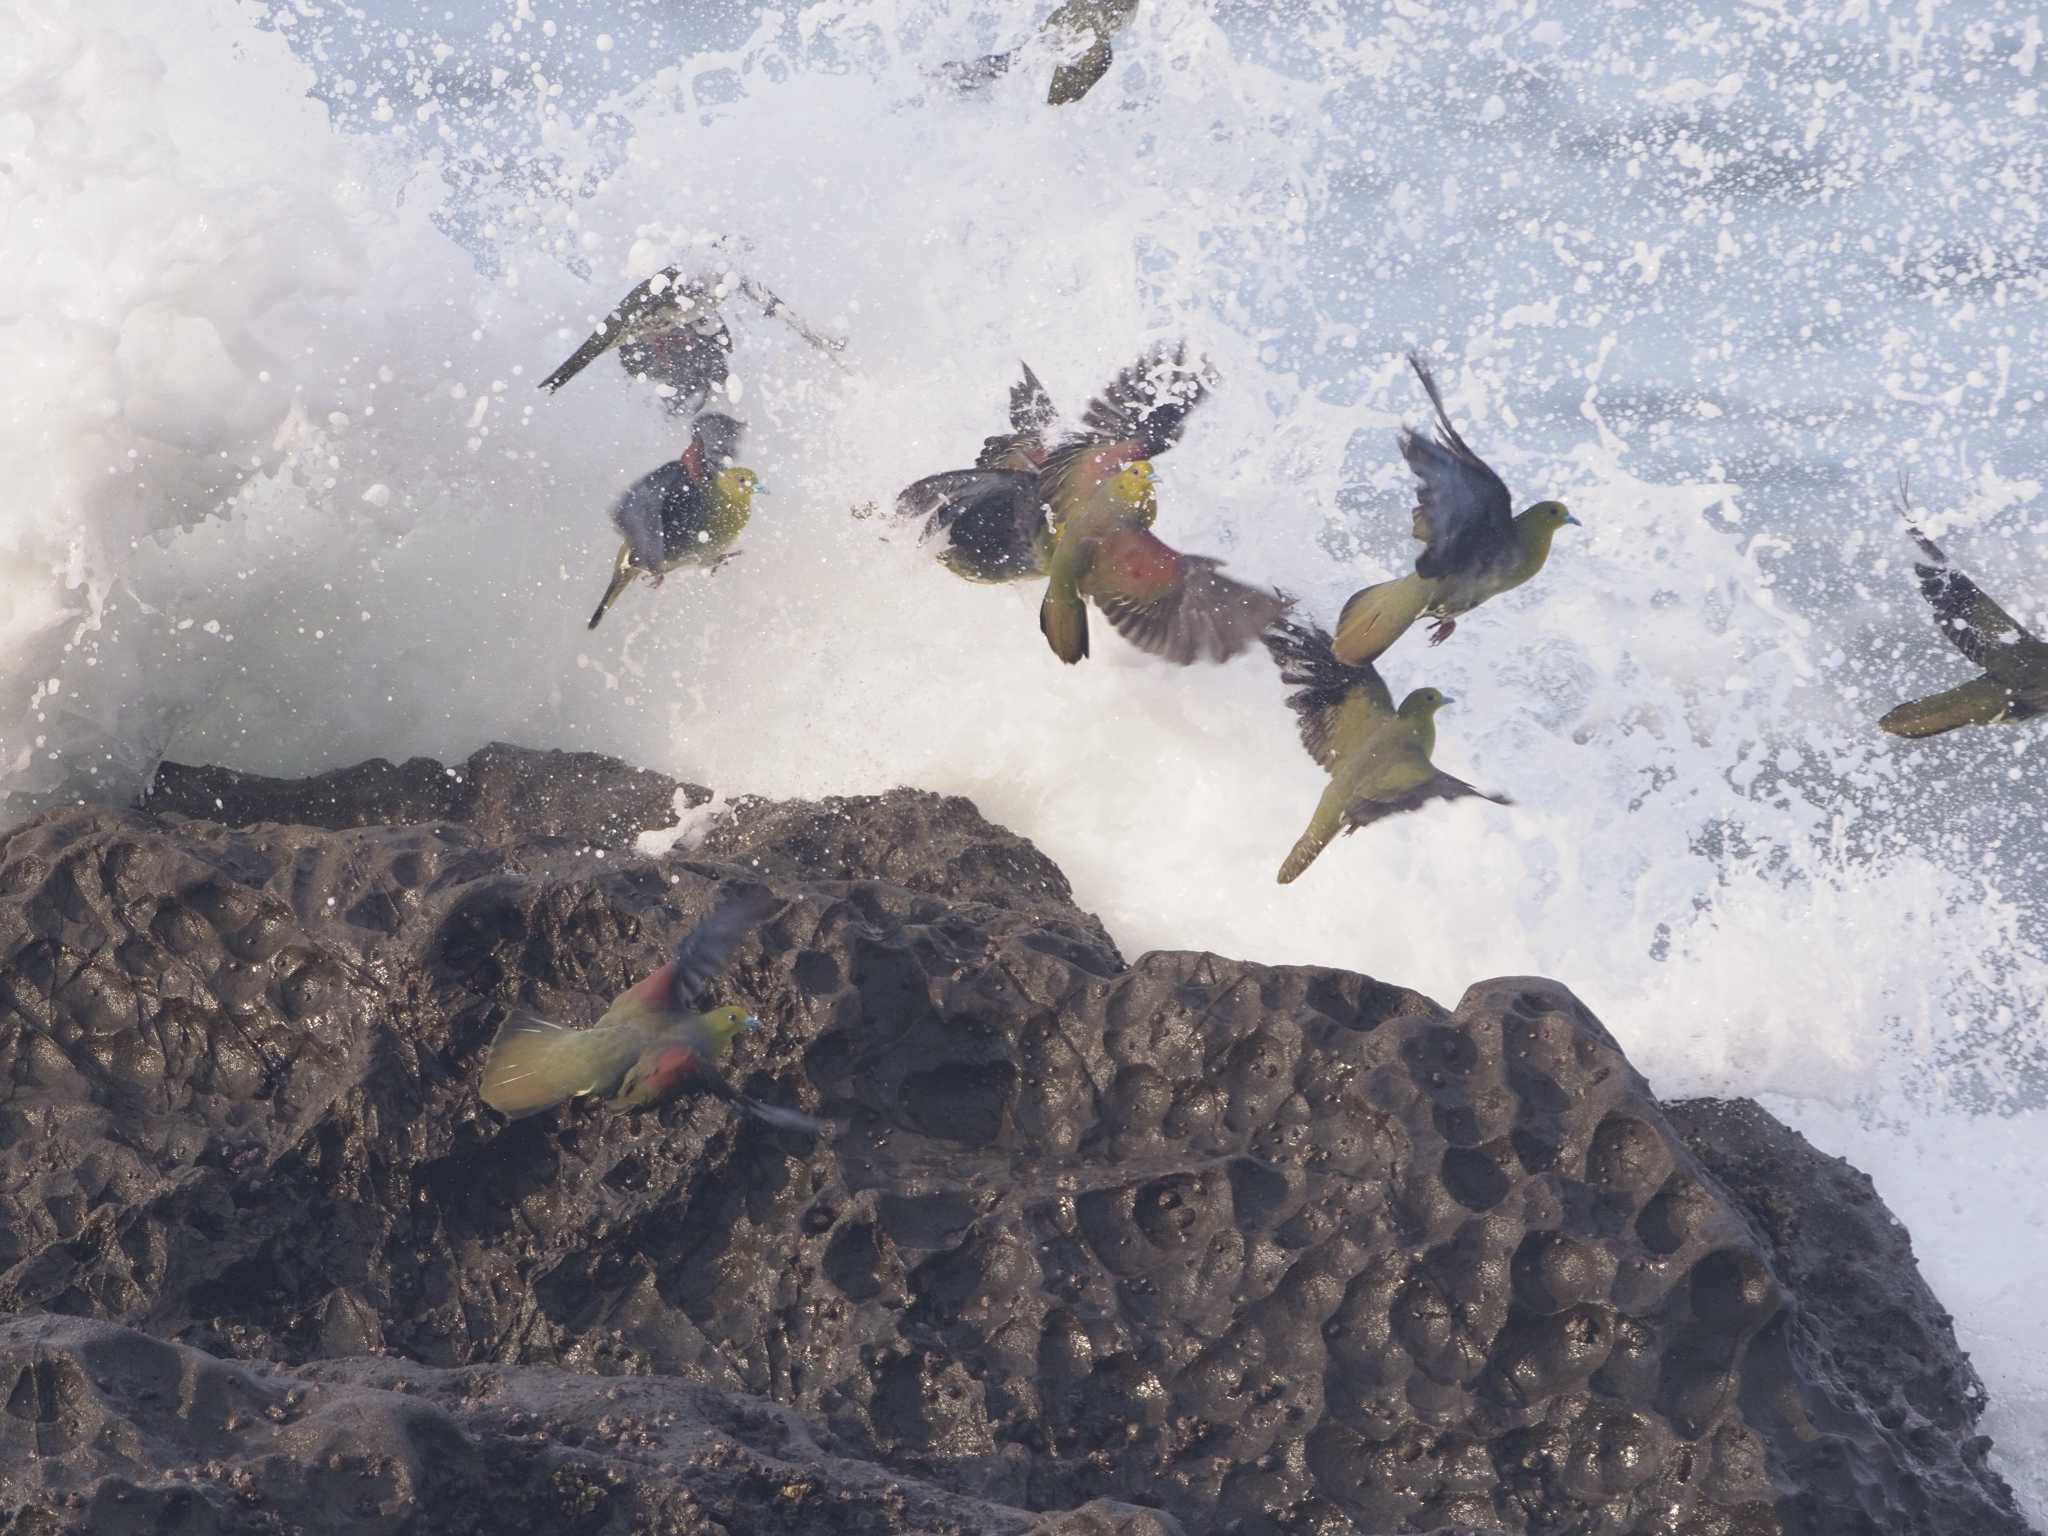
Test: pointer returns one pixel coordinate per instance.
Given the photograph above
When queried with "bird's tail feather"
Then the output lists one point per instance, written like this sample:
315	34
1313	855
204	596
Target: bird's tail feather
1980	701
533	1065
1378	616
622	574
1324	825
1063	618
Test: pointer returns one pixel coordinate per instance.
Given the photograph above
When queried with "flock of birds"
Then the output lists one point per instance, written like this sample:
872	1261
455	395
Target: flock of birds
1077	511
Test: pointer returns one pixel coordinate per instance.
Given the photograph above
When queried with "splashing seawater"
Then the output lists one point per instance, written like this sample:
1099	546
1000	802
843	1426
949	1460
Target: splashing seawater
284	495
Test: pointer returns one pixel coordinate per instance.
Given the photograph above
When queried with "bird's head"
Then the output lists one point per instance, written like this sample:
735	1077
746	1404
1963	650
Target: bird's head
1423	704
726	1025
740	485
1550	516
1135	486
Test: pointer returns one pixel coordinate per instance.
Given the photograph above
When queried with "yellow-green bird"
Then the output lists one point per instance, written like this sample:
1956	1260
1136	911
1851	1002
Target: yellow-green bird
652	1043
1100	494
989	521
2014	682
1377	756
1475	545
688	512
1090	22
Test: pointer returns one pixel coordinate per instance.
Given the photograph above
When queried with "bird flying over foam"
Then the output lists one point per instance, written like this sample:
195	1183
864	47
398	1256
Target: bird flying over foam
989	521
2014	682
671	331
687	512
1475	545
1084	25
652	1044
1377	756
1099	490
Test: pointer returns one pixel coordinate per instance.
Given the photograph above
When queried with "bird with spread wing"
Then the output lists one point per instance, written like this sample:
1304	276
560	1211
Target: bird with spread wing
1377	756
2014	682
671	331
1083	25
687	512
653	1042
989	521
1099	491
1475	545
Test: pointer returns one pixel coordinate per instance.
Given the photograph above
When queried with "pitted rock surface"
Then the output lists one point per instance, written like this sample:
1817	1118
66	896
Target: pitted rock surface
1268	1249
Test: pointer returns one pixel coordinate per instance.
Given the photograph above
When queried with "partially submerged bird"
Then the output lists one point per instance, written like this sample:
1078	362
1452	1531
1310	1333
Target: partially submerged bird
671	331
2014	682
991	518
688	512
1377	756
1475	545
1084	24
651	1044
1100	494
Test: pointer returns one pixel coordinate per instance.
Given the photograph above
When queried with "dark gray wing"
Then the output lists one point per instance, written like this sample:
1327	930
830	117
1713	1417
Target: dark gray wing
1967	618
617	326
1149	401
1338	706
716	439
1462	512
704	950
991	520
645	514
1440	786
1031	407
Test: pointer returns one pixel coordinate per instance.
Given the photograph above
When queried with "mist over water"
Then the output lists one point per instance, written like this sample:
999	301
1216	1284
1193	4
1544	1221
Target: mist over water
282	493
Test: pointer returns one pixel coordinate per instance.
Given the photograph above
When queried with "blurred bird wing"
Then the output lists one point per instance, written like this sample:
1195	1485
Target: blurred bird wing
714	443
705	949
1338	707
535	1064
617	326
1180	607
1463	512
1970	620
1031	407
652	509
775	1115
1148	403
1438	786
992	518
1980	701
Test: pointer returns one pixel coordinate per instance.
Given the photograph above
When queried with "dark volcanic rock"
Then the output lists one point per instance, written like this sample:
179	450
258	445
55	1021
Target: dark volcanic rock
502	791
1271	1249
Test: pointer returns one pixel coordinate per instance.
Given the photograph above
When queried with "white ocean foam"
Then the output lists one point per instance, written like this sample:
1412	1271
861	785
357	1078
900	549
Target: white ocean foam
283	494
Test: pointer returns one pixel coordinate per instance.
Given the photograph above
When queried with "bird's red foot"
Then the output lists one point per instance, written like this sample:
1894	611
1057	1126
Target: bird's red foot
1441	631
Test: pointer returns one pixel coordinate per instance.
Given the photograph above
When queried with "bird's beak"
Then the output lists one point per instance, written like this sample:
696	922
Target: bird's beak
1447	699
750	1022
1573	521
761	490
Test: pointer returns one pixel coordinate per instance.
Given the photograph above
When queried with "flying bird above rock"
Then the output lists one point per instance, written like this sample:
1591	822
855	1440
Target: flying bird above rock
1475	545
1100	493
989	521
653	1042
1377	756
671	331
688	512
2014	682
1086	25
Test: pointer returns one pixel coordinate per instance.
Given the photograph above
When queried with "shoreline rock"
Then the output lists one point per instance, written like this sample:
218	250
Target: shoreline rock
1266	1248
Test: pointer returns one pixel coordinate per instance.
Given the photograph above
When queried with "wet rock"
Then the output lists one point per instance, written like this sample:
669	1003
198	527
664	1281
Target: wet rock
1255	1249
503	791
